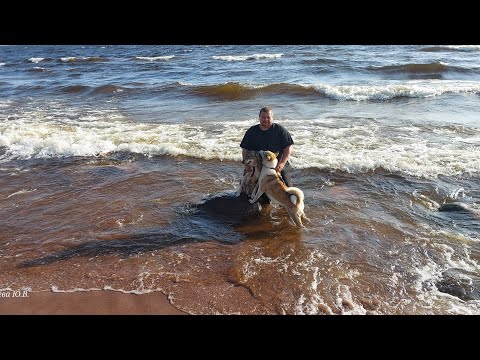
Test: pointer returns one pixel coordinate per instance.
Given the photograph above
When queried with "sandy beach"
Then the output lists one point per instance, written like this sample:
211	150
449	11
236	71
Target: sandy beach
101	302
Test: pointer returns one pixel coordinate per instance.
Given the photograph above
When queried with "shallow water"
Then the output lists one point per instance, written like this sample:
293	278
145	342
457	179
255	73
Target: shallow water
376	242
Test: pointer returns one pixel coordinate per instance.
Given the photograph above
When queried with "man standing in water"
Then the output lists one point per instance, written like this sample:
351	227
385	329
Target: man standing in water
268	135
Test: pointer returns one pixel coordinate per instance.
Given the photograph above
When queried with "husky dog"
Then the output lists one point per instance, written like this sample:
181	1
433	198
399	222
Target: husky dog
270	183
250	178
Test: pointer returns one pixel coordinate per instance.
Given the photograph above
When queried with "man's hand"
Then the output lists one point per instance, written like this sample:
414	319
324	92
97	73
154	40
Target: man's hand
285	156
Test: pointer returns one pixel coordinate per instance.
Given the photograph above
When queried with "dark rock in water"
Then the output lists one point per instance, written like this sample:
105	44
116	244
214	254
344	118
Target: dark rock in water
460	283
228	207
454	207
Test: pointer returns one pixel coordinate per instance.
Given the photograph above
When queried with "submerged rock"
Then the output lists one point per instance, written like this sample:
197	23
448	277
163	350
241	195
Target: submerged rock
454	207
228	206
460	283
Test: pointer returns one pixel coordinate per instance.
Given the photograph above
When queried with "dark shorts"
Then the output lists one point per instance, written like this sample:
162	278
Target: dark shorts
287	178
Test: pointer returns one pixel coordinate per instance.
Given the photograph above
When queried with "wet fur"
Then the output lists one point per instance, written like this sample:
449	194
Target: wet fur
270	183
250	179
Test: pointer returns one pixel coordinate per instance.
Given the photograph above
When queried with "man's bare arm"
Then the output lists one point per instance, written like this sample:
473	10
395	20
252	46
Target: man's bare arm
285	156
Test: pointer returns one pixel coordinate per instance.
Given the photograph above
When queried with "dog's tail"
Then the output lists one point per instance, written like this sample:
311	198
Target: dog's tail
295	195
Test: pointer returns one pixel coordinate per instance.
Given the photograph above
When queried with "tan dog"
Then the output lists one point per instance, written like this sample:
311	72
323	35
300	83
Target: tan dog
250	178
270	183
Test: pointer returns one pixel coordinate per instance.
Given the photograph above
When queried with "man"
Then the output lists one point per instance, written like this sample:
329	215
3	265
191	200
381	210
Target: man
268	135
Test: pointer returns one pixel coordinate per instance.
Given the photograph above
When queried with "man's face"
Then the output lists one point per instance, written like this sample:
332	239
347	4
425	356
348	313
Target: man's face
266	119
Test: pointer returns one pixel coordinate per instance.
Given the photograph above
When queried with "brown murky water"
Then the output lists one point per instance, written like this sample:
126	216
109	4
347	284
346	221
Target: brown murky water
376	244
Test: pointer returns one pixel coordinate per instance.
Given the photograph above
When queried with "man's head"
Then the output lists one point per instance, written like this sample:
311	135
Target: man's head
266	118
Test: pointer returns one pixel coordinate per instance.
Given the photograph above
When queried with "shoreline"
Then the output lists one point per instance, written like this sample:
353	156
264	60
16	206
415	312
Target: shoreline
95	302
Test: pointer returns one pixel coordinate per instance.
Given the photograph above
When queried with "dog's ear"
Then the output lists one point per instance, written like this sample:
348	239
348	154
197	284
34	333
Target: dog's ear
276	153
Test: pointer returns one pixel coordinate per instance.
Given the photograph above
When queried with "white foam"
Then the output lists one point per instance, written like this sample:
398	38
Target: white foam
246	57
390	90
455	236
23	288
5	104
430	272
458	261
363	146
353	145
311	306
68	59
344	295
23	191
155	58
467	47
55	289
122	222
36	60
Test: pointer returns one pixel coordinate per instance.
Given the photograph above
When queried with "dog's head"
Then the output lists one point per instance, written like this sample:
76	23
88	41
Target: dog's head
252	158
268	155
269	158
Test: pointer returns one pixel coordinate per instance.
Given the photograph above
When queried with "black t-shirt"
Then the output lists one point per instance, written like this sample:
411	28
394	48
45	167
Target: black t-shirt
275	139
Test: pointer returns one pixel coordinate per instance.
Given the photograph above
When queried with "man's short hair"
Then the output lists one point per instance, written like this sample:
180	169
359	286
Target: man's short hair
265	109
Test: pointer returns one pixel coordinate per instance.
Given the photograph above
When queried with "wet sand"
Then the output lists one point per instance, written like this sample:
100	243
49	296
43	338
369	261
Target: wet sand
101	302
